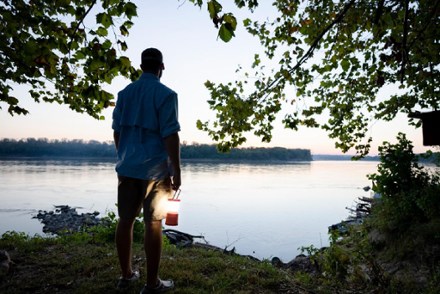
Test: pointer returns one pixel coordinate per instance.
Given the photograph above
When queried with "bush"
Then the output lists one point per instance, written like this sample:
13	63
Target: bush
396	248
105	232
409	193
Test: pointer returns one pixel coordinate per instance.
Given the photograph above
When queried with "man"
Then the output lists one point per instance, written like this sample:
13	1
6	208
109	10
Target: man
145	124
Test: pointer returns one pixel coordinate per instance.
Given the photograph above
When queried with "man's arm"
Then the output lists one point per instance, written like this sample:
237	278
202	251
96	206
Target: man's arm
172	145
116	139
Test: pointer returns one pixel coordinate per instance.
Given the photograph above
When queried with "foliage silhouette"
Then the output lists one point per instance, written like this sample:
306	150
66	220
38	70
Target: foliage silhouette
336	65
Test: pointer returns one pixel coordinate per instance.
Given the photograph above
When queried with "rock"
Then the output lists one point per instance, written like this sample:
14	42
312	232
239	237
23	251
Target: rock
5	262
277	262
302	263
66	219
376	238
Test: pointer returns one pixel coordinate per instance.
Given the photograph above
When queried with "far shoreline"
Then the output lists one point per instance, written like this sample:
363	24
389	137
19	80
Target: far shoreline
318	157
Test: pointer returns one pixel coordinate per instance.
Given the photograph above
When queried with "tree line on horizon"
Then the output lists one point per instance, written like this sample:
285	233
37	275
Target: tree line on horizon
77	148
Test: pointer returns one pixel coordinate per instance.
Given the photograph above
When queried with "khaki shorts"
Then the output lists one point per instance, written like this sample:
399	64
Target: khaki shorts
151	195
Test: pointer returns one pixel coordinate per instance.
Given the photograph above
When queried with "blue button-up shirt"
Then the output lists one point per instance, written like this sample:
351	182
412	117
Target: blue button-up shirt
146	112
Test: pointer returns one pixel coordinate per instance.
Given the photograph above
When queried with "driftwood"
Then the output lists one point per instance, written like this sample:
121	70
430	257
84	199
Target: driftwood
179	238
358	214
184	240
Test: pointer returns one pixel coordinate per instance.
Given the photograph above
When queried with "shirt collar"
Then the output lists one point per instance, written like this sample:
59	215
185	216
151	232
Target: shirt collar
147	75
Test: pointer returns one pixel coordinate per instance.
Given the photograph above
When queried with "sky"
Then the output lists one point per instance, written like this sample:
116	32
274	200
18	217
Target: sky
192	55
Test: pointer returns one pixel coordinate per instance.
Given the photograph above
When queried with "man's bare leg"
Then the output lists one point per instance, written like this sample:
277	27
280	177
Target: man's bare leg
153	250
124	241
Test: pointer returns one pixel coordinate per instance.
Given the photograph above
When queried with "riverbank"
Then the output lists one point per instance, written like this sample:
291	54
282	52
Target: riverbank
85	261
80	257
87	264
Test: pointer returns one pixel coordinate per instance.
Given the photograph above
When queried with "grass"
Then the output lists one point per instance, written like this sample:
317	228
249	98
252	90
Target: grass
80	263
87	263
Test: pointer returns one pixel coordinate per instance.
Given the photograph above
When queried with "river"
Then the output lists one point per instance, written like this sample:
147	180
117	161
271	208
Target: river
263	210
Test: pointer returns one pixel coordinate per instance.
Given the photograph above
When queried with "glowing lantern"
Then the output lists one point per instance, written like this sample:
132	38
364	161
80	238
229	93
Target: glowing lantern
173	210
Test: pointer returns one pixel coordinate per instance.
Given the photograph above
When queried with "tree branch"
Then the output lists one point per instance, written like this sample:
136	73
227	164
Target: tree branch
404	49
379	11
80	21
340	16
428	22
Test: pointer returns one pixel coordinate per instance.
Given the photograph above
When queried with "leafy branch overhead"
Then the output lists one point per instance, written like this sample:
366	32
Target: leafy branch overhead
353	62
339	65
64	51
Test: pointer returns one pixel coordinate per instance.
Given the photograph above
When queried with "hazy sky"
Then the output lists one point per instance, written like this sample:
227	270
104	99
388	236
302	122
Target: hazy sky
192	55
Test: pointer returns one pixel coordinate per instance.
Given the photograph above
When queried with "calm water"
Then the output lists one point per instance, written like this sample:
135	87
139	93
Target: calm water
264	210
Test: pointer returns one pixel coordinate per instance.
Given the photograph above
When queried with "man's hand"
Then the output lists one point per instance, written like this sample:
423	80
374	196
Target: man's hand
172	145
116	139
176	181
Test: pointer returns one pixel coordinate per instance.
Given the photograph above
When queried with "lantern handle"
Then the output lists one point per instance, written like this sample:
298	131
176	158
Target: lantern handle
176	194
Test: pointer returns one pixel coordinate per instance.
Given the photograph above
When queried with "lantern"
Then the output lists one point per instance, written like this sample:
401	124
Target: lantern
173	210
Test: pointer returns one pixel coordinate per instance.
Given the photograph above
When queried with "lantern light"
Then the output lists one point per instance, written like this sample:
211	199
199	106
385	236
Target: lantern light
172	218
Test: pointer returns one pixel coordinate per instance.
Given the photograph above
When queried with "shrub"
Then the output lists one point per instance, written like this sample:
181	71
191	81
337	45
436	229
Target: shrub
410	194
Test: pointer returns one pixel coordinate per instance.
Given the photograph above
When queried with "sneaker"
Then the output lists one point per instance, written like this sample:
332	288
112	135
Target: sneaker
124	283
163	286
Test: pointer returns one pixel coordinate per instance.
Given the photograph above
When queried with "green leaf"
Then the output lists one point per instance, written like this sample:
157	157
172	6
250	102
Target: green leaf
214	8
95	65
225	33
79	55
130	10
102	32
231	21
106	45
124	30
345	64
128	24
104	19
199	124
125	62
197	2
123	45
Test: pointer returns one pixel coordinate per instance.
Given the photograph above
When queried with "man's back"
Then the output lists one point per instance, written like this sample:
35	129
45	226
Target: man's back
145	113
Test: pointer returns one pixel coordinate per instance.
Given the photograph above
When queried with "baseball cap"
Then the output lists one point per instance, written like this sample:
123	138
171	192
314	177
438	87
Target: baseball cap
151	54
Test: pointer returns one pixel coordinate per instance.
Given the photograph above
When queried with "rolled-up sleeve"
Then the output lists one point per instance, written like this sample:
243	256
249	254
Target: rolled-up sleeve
168	116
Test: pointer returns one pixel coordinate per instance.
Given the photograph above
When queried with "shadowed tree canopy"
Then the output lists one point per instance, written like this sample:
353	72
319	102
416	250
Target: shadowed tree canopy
329	61
63	51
